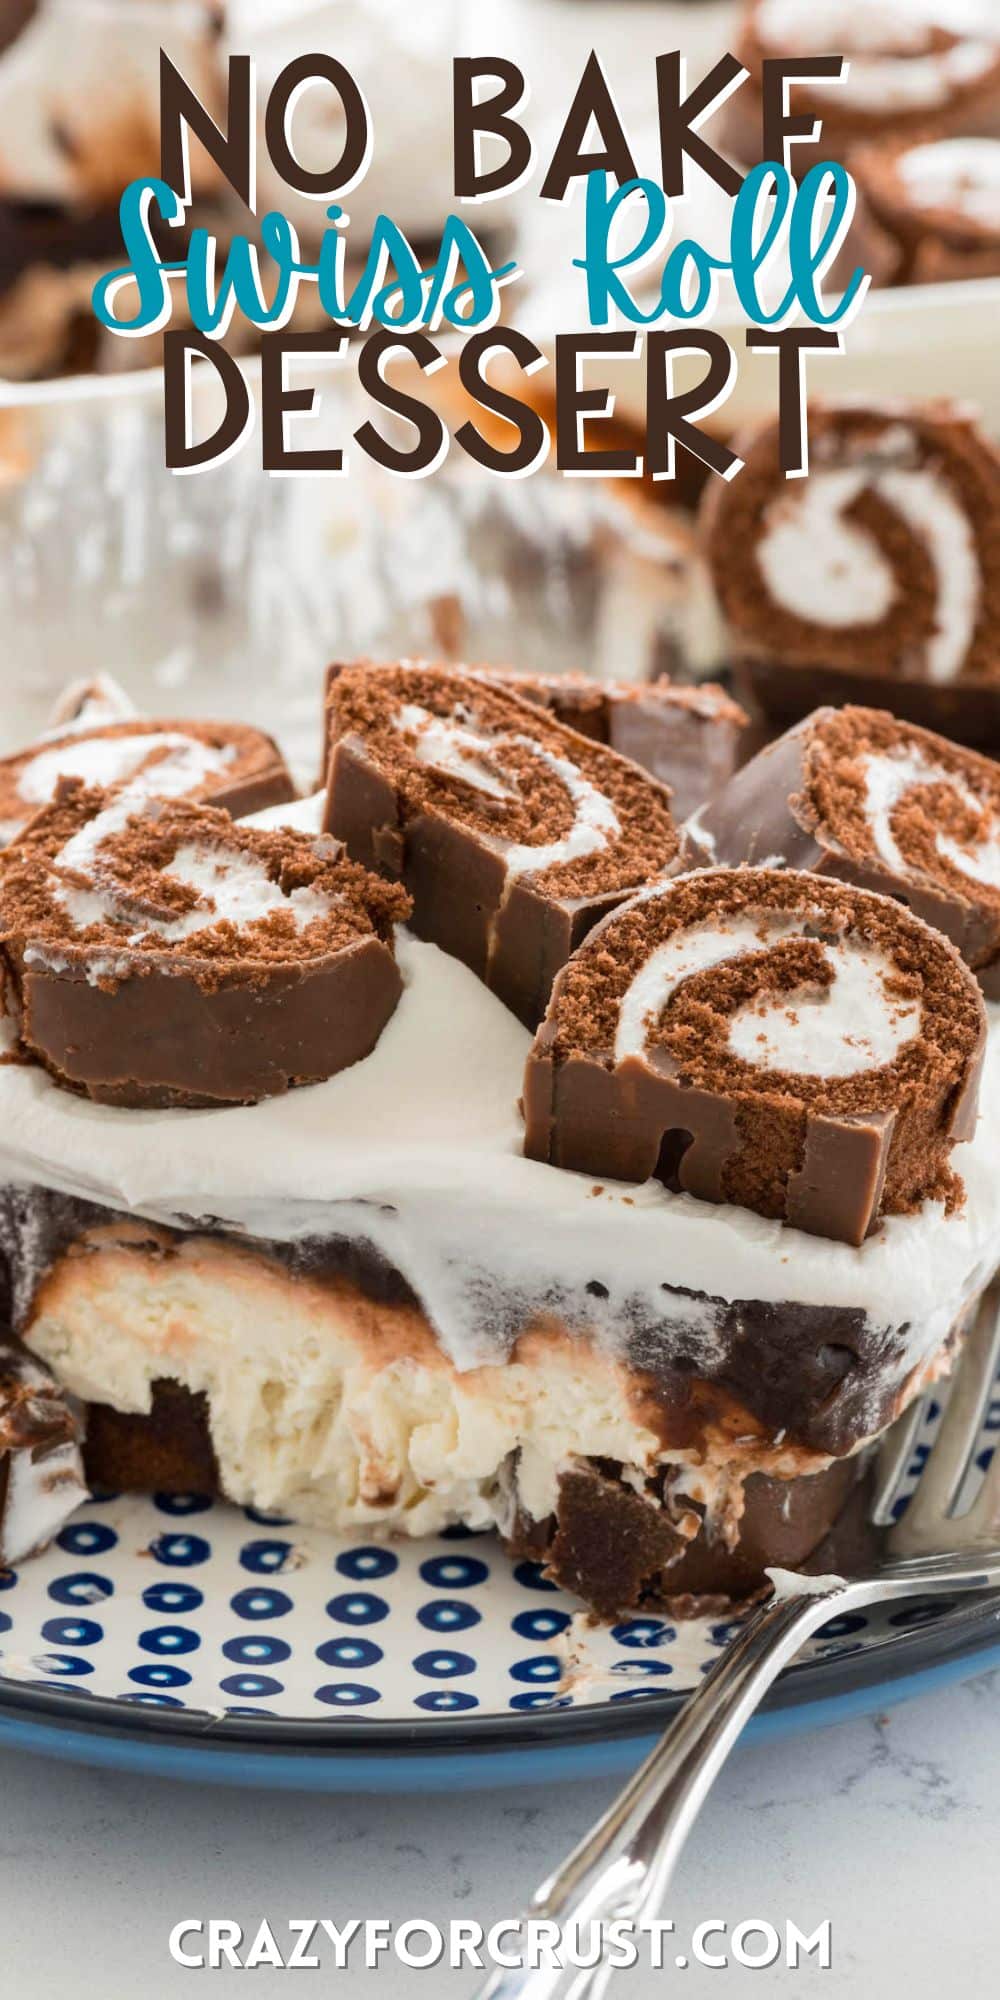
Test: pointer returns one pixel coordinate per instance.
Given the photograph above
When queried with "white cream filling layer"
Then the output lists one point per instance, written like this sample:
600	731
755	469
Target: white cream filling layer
104	761
958	174
232	886
455	748
829	1031
888	779
826	569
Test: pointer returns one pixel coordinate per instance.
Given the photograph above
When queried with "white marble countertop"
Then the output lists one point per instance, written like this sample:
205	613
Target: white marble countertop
889	1826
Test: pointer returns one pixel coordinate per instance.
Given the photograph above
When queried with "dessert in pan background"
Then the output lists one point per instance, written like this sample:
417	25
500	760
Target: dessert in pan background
914	65
928	211
877	577
365	1304
687	737
512	833
79	110
855	794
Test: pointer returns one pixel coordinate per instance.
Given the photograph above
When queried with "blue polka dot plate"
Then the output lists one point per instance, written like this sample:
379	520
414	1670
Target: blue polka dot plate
184	1636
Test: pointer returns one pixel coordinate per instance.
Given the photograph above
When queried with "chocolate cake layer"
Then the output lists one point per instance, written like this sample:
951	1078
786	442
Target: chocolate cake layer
225	764
855	794
874	579
686	737
41	1469
512	834
623	1551
930	210
158	954
911	69
801	1049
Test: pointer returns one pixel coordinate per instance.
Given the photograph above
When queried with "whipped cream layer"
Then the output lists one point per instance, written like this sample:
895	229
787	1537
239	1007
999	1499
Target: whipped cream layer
961	175
418	1150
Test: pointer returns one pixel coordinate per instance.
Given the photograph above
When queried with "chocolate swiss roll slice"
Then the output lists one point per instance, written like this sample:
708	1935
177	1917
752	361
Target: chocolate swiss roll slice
224	763
512	833
853	793
928	211
157	954
41	1465
877	577
687	737
911	67
774	1040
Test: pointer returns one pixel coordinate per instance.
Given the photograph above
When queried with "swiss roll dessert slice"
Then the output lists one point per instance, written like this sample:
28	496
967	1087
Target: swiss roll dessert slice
765	1038
157	953
512	833
876	578
856	794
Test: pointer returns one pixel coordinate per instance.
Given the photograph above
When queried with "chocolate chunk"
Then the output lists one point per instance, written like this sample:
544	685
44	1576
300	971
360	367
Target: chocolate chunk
772	1039
619	1551
41	1470
513	834
165	956
855	794
875	579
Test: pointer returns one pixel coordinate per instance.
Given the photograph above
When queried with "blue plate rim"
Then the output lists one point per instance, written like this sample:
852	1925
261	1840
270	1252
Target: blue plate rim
236	1765
963	1641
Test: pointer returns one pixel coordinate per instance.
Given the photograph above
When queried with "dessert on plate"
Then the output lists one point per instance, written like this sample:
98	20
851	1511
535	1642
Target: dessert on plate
640	1308
874	579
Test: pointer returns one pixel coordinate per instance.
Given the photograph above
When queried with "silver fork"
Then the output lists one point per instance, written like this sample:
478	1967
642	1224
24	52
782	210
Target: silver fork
622	1868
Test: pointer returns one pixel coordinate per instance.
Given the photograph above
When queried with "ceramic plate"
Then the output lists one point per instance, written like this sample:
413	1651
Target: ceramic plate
183	1635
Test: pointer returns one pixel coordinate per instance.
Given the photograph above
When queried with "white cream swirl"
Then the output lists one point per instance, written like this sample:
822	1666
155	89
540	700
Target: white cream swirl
890	778
821	566
836	1030
456	748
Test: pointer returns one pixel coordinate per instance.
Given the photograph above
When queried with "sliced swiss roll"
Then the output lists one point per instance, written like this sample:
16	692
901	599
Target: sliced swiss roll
156	953
765	1038
909	65
41	1460
853	793
225	763
877	577
512	833
928	211
686	736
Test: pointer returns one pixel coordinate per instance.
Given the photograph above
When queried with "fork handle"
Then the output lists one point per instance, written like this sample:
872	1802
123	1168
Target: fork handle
623	1865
